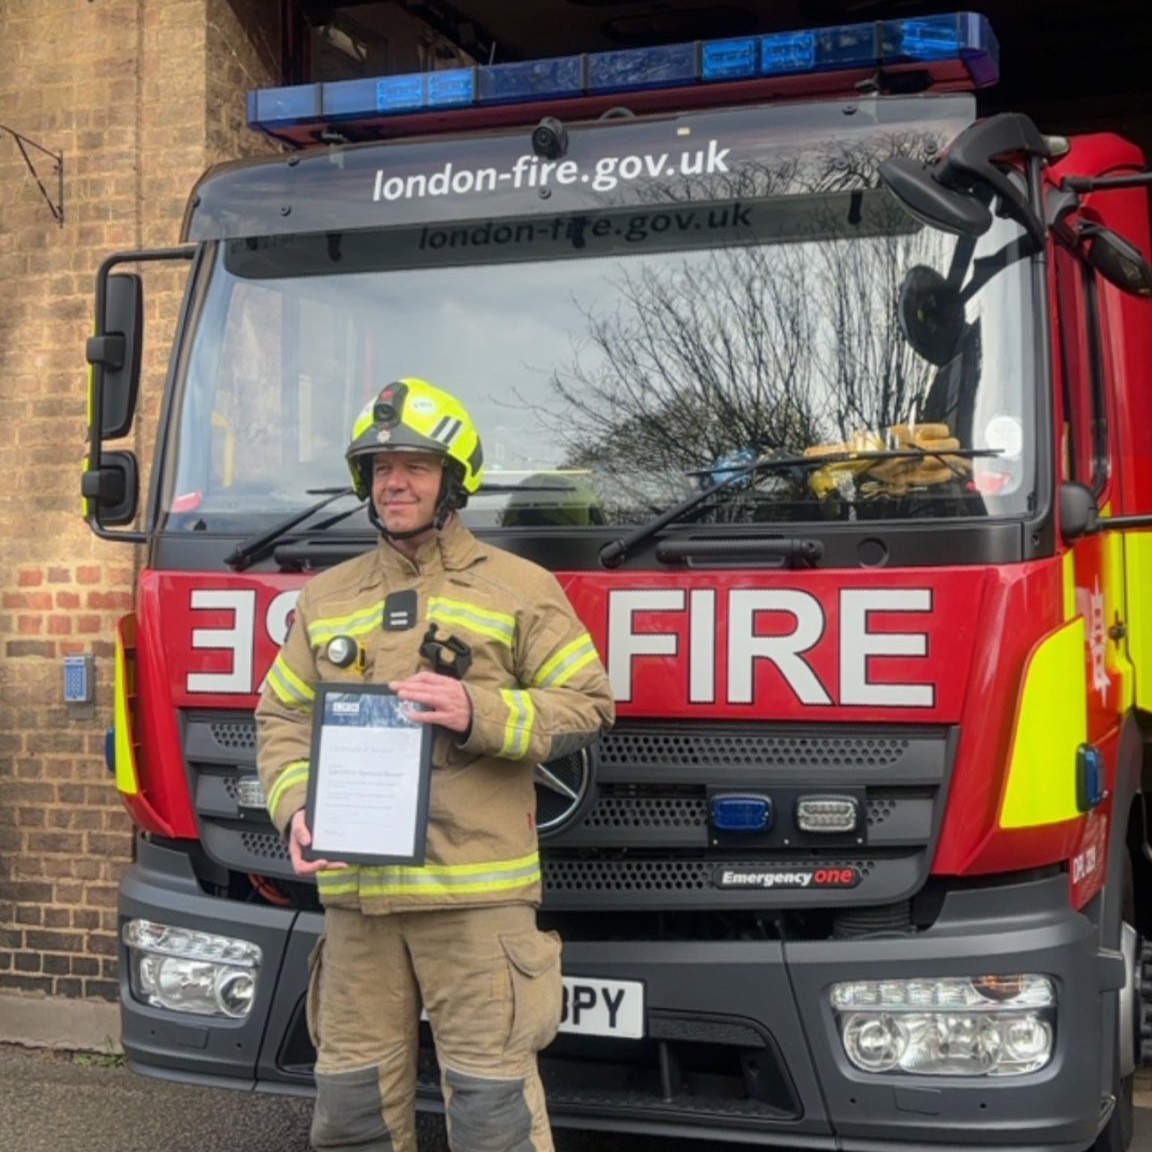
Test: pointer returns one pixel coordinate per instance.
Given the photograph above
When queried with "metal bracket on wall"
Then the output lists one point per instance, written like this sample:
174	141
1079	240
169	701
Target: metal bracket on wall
56	207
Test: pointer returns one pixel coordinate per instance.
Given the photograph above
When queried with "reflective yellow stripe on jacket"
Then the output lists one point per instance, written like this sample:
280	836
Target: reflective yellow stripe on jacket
294	773
358	623
498	626
566	663
290	690
431	880
518	729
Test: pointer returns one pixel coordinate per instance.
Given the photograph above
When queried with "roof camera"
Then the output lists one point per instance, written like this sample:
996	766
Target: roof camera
550	139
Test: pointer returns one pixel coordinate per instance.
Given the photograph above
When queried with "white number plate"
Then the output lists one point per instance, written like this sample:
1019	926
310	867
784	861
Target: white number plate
603	1007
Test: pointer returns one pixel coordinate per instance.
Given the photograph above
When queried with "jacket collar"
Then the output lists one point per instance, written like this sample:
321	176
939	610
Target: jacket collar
452	549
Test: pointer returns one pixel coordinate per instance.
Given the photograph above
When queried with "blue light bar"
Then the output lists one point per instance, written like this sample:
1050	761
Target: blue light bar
532	80
730	59
455	88
400	93
295	105
955	51
636	68
346	97
788	53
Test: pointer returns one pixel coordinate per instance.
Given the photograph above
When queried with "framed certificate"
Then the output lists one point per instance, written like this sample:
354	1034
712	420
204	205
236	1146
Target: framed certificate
371	771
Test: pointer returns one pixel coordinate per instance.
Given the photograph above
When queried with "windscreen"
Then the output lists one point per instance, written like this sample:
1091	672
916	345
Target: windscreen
618	360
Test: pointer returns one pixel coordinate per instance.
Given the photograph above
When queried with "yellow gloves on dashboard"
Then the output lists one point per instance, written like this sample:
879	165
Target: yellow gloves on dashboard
891	476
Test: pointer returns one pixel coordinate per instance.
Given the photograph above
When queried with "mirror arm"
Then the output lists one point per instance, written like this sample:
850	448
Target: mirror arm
107	350
1120	523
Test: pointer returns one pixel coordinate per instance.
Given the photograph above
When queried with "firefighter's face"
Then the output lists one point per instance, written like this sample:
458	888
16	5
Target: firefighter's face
405	487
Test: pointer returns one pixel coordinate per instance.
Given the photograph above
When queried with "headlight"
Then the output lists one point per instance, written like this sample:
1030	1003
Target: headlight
190	971
956	1026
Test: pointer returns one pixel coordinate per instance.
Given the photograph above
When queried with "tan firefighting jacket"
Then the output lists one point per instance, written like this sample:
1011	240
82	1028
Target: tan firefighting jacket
538	691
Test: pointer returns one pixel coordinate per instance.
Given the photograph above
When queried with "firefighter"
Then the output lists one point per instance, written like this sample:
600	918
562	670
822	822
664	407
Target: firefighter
489	649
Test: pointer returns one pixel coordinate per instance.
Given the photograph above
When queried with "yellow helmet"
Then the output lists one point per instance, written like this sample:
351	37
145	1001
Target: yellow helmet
562	499
410	415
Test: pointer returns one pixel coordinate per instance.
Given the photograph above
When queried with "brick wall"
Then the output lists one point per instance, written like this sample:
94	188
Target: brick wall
139	96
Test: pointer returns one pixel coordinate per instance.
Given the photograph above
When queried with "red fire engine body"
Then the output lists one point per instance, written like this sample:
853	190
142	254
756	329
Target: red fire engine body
863	863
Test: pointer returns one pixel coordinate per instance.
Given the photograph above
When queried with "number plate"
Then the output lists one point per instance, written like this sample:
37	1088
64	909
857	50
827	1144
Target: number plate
603	1007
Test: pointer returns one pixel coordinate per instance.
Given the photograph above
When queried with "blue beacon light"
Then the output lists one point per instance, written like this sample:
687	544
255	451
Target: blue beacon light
741	813
957	50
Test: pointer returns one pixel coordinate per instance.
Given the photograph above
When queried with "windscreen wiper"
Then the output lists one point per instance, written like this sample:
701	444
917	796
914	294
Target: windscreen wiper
499	489
613	554
248	552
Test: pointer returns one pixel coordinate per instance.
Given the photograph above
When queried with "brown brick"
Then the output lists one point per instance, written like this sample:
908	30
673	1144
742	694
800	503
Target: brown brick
43	940
55	965
100	895
37	601
152	94
17	648
102	945
85	870
36	985
29	892
110	601
61	842
102	989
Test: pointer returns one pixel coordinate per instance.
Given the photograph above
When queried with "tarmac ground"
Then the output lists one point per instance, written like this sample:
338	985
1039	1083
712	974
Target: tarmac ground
68	1101
67	1089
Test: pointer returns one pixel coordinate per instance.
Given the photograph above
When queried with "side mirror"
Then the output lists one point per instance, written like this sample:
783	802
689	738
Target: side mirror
112	491
952	192
1079	515
913	184
970	161
1118	261
931	314
114	352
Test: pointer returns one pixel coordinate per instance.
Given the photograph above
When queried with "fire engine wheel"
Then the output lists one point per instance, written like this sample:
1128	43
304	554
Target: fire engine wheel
1117	1134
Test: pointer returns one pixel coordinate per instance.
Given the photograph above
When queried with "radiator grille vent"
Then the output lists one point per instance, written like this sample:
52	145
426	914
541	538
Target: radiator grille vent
736	749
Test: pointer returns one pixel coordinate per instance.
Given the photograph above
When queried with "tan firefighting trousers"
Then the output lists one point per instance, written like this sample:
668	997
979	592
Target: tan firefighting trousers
490	983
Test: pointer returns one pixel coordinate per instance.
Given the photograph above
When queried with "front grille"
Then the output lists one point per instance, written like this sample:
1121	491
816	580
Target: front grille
238	735
709	750
647	812
646	842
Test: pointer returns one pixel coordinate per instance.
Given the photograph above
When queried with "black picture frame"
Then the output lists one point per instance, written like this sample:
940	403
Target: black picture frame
373	709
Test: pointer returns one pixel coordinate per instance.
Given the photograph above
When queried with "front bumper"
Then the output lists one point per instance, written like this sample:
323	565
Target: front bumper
741	1043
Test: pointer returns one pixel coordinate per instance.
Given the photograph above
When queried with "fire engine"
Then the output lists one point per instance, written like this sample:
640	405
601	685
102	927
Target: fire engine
828	402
